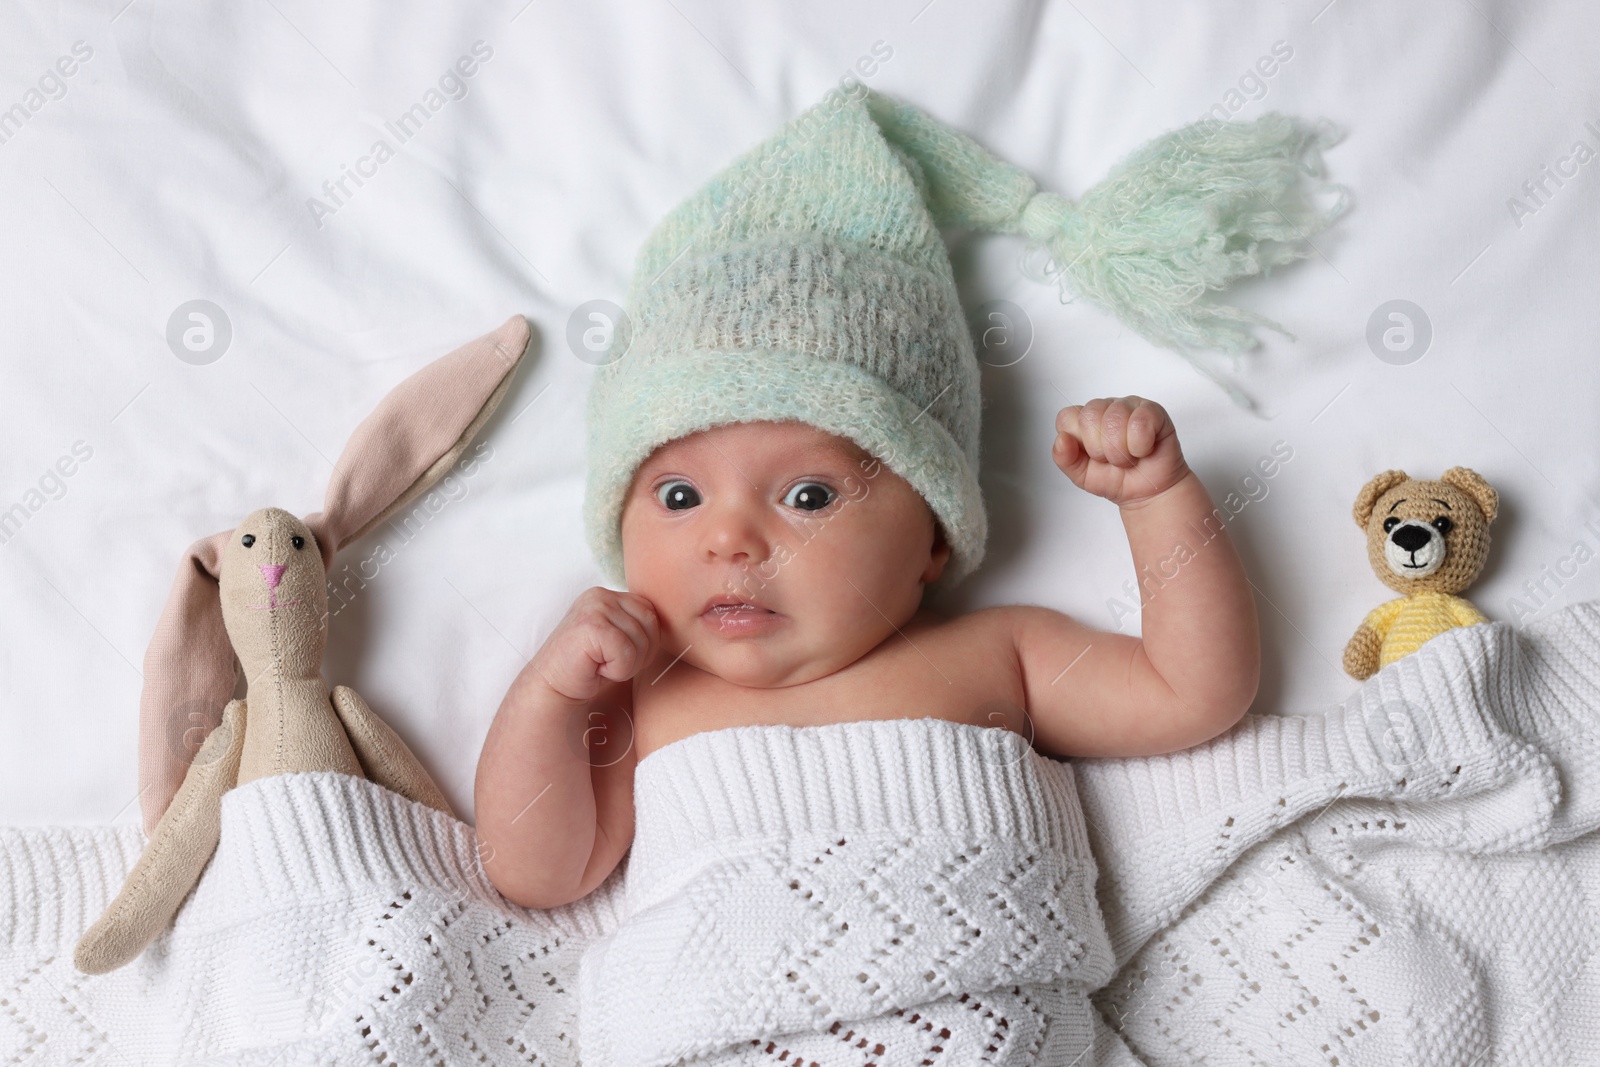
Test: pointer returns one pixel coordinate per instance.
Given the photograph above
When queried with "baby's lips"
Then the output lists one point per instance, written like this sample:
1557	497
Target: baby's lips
729	599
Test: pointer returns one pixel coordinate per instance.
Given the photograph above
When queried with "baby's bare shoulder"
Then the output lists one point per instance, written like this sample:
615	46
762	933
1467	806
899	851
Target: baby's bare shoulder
995	639
999	622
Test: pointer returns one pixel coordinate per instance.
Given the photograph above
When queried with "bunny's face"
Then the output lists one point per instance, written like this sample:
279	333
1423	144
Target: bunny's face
274	595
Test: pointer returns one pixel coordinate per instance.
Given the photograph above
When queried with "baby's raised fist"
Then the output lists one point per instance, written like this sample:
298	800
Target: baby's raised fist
1122	448
605	636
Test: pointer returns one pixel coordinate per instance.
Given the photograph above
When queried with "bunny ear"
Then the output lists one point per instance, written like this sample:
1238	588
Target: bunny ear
188	678
415	435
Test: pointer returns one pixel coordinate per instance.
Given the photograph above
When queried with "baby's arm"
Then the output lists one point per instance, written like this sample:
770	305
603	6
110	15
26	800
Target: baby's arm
1195	670
554	789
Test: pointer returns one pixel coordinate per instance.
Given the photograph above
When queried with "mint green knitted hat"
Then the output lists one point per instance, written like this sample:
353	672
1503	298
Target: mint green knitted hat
810	281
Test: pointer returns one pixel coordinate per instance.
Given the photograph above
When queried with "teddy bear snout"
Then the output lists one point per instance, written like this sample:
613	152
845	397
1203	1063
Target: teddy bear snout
1411	537
1414	549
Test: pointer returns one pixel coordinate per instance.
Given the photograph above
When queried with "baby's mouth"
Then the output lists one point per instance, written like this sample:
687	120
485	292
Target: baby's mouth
730	615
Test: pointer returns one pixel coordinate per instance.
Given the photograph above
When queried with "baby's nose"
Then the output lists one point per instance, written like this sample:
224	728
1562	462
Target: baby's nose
736	538
273	573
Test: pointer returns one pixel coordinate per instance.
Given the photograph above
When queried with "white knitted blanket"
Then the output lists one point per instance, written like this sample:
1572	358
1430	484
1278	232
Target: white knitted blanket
1410	877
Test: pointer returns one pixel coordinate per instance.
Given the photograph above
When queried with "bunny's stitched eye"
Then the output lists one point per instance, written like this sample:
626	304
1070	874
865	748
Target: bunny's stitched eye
247	540
297	541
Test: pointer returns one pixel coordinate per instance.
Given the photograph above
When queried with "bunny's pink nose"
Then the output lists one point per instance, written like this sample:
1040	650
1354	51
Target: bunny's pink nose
273	573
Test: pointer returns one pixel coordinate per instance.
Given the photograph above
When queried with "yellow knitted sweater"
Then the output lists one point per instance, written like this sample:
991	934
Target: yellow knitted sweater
1406	622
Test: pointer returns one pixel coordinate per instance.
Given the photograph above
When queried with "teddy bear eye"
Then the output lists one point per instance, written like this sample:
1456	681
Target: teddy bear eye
1442	524
247	540
297	541
1390	523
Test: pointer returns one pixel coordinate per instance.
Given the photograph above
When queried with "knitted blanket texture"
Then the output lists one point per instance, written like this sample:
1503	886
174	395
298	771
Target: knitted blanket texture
1409	877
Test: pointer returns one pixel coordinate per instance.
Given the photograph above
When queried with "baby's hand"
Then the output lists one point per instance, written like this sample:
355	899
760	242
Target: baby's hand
606	635
1122	448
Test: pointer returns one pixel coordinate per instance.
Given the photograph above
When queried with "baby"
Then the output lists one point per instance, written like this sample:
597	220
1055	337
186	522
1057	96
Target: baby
776	574
856	829
782	457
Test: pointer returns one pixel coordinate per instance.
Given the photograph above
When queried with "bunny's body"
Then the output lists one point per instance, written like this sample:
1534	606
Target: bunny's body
258	593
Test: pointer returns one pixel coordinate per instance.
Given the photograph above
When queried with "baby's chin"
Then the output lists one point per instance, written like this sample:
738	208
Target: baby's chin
754	666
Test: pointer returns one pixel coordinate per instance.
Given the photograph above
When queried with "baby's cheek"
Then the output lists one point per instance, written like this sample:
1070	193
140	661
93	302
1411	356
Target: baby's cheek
861	573
645	575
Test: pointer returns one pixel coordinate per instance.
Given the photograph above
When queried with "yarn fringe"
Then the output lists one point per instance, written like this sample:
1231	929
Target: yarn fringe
1192	210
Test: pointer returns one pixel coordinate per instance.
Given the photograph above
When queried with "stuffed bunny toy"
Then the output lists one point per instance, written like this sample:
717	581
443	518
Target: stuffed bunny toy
259	592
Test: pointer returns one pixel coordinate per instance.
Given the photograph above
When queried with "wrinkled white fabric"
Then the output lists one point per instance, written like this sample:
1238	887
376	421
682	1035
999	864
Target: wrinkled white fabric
183	158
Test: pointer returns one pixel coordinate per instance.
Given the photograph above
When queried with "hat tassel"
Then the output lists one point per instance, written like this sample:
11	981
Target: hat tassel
1192	210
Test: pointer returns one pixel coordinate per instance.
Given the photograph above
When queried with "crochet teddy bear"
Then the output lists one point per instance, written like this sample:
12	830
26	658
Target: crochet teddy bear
1427	540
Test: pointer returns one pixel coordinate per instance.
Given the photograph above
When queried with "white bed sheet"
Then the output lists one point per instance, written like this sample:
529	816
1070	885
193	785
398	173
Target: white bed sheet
177	160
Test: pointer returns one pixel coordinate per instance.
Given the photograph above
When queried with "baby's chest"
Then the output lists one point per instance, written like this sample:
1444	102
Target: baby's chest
923	678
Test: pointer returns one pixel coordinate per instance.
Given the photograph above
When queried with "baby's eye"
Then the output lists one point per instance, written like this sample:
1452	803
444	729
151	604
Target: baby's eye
676	496
809	496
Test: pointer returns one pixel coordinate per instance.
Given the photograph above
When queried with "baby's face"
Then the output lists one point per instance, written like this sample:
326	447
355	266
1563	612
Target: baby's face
817	550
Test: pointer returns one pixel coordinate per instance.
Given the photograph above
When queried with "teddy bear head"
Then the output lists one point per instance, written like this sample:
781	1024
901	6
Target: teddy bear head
1427	535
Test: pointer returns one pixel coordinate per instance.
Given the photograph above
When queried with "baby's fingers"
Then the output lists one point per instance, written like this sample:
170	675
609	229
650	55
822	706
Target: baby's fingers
1086	423
1146	423
624	646
643	612
1113	428
1069	455
1120	430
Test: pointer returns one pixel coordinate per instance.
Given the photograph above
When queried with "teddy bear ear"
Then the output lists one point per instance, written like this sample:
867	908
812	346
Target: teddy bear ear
1471	482
1372	491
